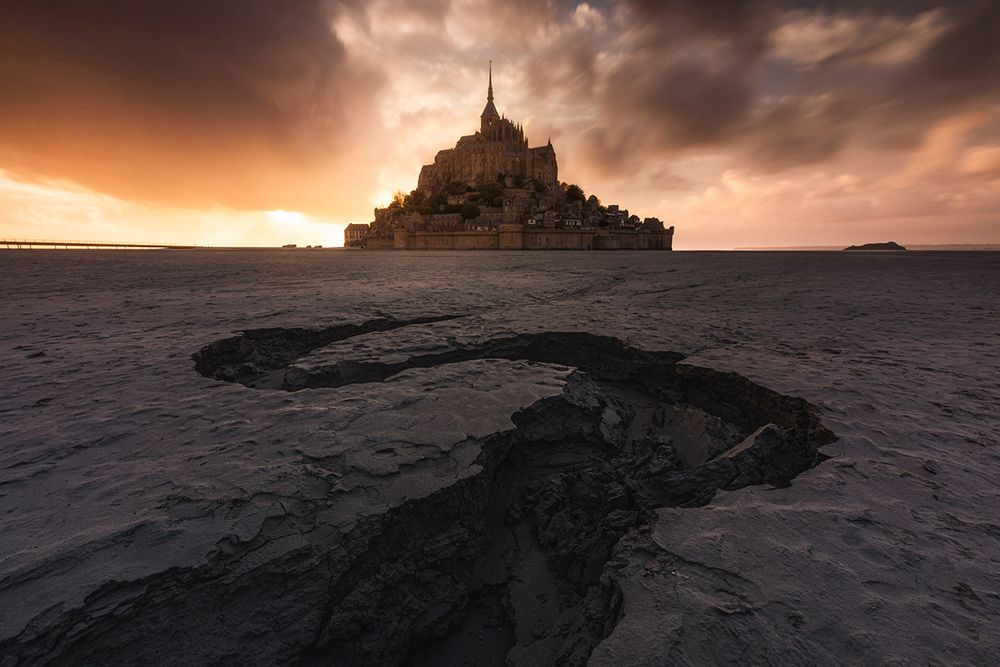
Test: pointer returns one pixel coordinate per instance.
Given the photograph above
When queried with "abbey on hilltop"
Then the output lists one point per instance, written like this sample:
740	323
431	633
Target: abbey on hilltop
493	192
498	149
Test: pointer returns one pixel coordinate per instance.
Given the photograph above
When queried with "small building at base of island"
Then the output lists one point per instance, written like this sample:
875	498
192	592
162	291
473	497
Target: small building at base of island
494	192
355	235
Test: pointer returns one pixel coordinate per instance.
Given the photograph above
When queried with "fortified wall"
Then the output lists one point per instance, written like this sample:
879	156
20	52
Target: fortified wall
522	237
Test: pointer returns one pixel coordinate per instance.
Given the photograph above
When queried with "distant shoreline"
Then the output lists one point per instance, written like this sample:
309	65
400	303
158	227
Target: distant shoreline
912	248
980	247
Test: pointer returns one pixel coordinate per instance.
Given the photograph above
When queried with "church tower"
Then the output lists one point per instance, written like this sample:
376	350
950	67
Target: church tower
498	149
489	117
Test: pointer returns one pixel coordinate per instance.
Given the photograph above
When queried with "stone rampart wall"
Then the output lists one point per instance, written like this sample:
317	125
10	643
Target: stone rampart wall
517	237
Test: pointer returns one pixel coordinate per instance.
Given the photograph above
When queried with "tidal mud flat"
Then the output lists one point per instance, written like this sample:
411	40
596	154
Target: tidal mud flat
427	458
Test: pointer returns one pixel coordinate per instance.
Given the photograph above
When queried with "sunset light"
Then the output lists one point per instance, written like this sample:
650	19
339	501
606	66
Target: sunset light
499	333
739	127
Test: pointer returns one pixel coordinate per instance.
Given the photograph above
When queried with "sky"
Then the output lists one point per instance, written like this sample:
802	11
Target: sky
264	122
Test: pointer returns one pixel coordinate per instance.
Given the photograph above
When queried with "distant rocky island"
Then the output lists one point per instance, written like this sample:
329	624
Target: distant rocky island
890	246
494	192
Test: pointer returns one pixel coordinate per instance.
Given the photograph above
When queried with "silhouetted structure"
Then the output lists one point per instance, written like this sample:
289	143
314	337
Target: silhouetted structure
498	149
493	192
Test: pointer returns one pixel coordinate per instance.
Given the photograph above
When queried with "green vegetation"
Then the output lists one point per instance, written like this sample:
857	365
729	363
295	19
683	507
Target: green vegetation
574	193
470	211
487	194
490	191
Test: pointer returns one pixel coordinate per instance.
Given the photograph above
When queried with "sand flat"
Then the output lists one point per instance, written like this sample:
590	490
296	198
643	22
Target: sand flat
118	462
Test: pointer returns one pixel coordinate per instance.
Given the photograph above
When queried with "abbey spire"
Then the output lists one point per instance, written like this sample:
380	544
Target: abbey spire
498	149
489	114
489	91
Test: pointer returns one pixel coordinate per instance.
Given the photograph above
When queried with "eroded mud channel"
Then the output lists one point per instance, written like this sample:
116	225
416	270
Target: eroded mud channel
498	549
510	566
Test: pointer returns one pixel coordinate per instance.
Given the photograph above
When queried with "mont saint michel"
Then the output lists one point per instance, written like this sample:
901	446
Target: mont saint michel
493	191
225	440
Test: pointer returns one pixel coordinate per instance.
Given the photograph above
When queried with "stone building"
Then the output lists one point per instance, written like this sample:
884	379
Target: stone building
499	147
355	234
494	192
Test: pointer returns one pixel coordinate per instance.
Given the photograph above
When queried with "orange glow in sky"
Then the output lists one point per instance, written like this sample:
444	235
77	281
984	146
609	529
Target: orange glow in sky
741	123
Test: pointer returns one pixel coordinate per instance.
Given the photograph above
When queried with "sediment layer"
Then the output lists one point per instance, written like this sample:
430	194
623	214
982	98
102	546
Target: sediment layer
510	563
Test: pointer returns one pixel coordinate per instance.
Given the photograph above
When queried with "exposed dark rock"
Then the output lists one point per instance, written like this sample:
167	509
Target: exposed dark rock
890	245
504	566
252	355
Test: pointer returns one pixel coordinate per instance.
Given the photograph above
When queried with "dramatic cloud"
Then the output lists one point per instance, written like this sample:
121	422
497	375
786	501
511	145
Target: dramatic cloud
743	122
183	101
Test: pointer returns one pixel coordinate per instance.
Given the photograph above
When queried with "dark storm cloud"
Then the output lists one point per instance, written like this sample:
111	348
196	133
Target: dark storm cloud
705	74
712	100
791	134
170	99
238	101
684	78
680	104
877	104
963	62
729	19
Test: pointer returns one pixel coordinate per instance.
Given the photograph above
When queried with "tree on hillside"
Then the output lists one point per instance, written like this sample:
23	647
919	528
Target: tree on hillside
413	201
490	191
431	205
470	211
574	193
398	200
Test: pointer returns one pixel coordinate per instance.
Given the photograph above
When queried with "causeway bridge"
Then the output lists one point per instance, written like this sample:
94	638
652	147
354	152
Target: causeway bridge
22	244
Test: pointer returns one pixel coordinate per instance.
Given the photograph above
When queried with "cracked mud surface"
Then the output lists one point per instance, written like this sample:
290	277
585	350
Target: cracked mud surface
507	566
502	564
407	497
